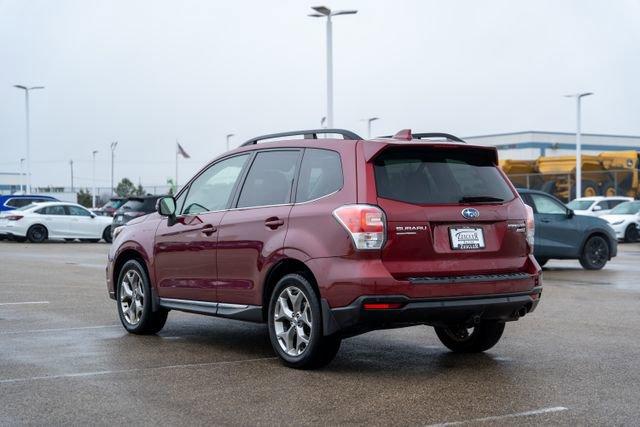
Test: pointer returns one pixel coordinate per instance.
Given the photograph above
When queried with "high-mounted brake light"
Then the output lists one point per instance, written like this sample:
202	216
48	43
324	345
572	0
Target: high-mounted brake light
365	223
14	217
531	227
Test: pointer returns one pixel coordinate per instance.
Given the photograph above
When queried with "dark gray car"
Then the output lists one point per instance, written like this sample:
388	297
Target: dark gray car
561	234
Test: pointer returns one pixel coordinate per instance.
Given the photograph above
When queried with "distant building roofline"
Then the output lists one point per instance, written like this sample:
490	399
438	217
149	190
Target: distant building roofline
551	133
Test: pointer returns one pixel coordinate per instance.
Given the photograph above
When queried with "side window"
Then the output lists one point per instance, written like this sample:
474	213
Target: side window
615	202
604	205
78	211
52	210
211	190
546	205
19	202
320	174
270	179
180	200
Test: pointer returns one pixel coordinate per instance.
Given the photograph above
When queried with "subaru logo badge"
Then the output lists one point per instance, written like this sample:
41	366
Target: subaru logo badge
470	213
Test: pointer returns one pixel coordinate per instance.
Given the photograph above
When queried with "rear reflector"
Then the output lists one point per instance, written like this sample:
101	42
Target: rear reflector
382	305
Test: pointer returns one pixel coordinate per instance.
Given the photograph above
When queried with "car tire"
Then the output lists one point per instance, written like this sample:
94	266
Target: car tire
595	253
106	235
459	340
631	234
295	325
542	261
37	233
133	298
69	240
89	240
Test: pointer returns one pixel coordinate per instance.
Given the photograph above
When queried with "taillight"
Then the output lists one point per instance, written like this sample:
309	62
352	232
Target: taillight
531	227
14	217
365	223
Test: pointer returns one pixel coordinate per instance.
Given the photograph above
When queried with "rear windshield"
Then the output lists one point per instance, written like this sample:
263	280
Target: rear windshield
440	176
626	208
115	204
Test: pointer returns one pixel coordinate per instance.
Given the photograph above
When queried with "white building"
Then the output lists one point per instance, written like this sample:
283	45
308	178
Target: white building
529	145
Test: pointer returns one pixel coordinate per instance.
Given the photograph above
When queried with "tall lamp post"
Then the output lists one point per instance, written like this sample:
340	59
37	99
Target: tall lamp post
26	98
21	174
578	97
93	179
325	12
229	135
114	144
369	120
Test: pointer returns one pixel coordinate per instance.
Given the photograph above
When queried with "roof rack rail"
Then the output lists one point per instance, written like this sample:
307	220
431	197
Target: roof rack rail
308	134
447	136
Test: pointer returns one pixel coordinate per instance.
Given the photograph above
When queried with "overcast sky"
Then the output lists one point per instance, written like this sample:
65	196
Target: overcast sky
147	72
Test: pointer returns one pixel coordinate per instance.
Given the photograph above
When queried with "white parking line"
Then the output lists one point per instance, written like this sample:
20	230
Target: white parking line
123	371
26	302
35	331
502	417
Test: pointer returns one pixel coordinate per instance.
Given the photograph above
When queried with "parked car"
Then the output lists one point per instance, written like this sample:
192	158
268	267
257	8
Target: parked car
560	234
11	202
327	238
134	207
625	220
114	203
597	205
55	220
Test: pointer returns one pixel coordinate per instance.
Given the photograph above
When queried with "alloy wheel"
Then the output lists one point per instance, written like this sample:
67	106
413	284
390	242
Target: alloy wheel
292	321
598	251
132	297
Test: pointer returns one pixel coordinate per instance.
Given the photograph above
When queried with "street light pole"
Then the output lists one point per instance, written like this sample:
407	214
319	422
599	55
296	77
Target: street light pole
93	179
28	131
113	150
369	120
21	174
71	165
578	97
325	12
229	135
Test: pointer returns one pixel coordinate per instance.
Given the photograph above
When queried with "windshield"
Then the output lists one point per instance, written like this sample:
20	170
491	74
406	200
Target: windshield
428	175
580	205
626	208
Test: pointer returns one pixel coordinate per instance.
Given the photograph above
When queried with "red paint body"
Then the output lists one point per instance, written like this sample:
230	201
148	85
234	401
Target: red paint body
226	256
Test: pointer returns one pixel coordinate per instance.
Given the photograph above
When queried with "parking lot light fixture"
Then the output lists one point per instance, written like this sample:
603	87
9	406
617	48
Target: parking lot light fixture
22	175
229	135
578	97
28	131
325	12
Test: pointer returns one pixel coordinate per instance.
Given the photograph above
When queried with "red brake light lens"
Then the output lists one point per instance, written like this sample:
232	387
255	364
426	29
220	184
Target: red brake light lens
531	227
14	217
365	223
382	305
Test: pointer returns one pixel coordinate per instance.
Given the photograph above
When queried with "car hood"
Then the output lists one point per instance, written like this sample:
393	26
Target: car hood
616	218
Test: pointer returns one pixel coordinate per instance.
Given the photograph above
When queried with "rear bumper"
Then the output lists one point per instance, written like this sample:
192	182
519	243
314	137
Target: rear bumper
356	319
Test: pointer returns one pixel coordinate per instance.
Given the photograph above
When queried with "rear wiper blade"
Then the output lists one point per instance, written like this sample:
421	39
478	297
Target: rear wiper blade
471	199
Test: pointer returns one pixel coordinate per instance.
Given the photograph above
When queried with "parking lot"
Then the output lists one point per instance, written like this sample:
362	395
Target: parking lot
64	358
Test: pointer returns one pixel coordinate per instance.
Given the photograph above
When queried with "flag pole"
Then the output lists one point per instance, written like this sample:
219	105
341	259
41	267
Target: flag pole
176	165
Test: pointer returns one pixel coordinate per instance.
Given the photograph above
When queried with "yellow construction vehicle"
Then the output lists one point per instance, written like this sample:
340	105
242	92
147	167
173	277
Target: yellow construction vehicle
609	173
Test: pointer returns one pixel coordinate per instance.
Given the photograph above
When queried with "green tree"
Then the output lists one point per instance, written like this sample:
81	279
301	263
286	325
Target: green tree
125	188
84	198
139	191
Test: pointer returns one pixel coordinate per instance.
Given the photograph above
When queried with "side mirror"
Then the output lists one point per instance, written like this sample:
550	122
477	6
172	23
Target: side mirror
597	208
570	213
166	206
93	215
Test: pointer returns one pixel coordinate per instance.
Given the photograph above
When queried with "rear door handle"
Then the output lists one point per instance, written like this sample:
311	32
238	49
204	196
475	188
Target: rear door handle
545	220
208	230
274	222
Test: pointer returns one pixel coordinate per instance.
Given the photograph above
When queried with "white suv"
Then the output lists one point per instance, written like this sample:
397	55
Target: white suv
597	205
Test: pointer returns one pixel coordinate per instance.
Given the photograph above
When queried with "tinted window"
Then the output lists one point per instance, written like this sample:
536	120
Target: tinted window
269	180
604	204
78	211
140	205
580	205
434	175
626	208
211	190
22	201
320	174
615	202
52	210
547	205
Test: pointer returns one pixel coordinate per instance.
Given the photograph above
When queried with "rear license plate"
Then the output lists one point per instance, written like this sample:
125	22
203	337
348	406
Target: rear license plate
466	238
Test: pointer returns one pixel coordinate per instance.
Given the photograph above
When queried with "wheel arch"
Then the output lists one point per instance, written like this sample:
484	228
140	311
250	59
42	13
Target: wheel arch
46	230
279	270
132	254
599	233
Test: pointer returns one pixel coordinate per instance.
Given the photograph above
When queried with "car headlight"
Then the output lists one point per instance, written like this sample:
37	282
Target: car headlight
618	222
117	231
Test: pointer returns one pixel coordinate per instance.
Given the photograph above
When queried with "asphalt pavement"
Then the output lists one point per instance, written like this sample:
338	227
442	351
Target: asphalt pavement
65	359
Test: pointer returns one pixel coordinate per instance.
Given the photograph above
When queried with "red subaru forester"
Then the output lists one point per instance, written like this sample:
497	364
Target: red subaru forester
327	238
